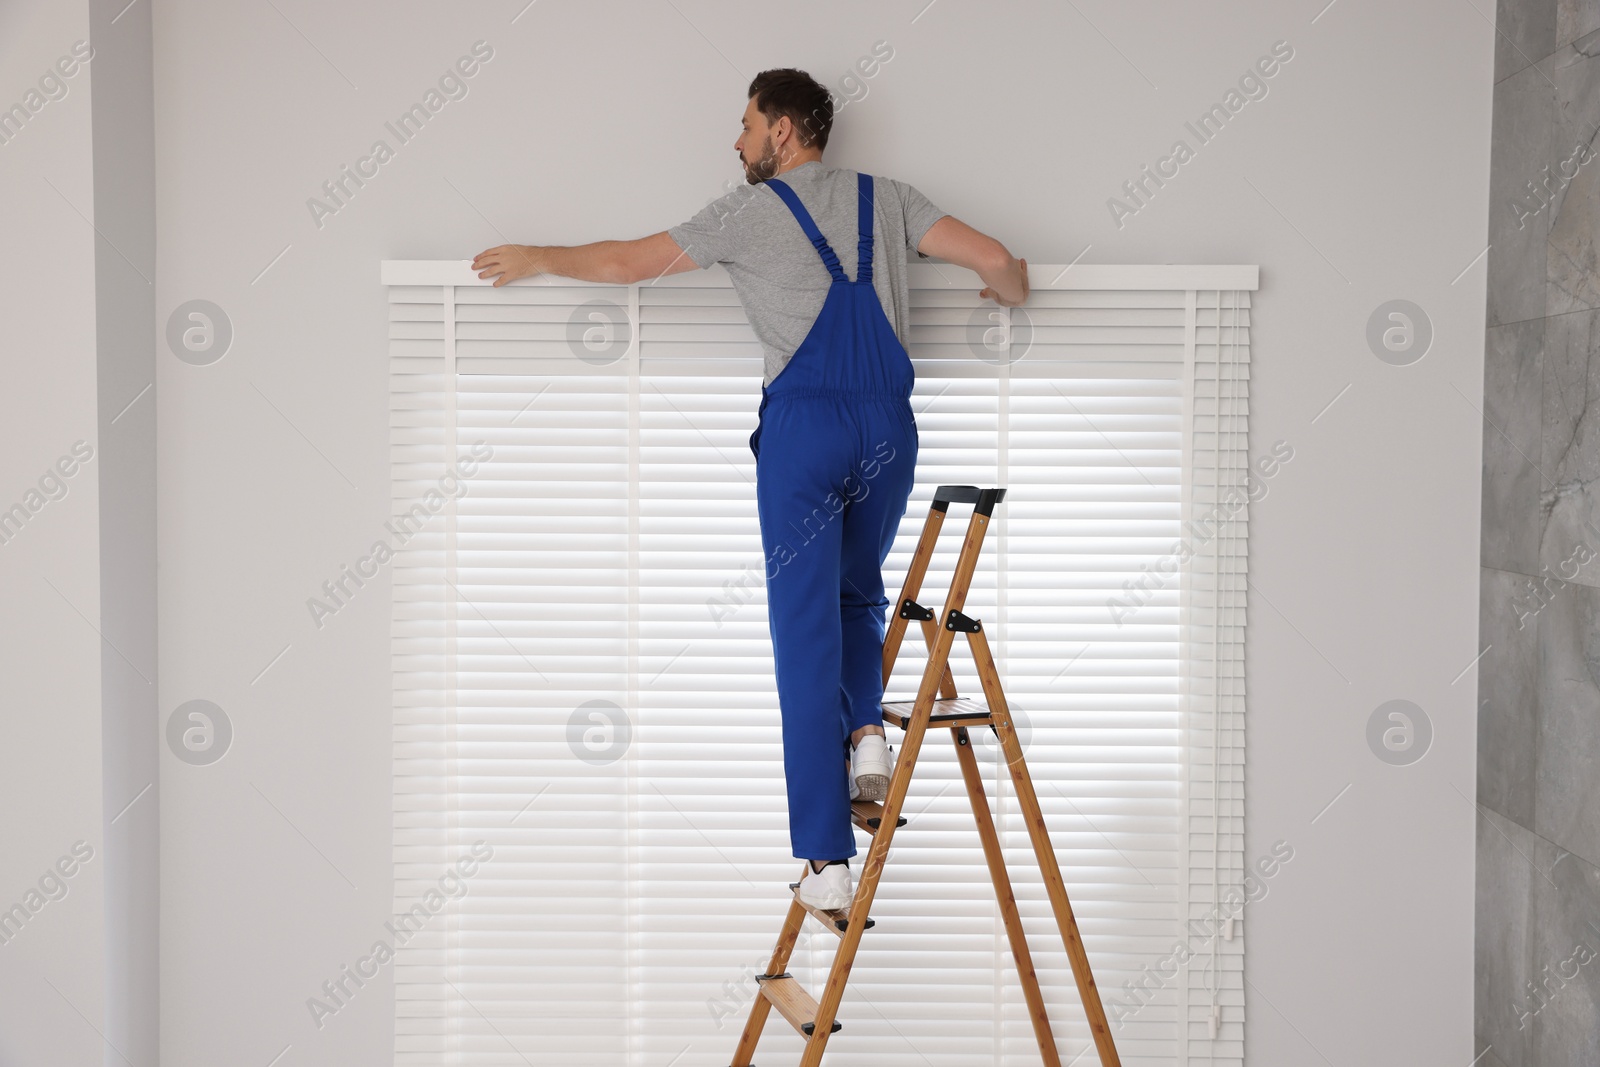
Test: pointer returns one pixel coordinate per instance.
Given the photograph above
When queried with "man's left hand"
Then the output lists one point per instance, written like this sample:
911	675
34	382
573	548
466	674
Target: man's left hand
510	262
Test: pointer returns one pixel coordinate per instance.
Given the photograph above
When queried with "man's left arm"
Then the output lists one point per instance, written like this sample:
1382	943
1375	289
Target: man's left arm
616	262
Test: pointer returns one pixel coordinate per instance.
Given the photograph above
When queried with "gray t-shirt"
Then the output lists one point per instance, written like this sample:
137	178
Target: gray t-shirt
780	279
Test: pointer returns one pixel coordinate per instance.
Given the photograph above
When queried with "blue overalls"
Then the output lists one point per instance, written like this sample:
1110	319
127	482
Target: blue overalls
836	456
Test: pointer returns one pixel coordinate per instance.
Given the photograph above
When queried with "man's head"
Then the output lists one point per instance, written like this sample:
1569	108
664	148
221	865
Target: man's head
786	123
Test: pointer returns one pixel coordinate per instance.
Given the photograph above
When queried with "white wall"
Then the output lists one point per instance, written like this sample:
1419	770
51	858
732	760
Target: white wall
1360	177
52	970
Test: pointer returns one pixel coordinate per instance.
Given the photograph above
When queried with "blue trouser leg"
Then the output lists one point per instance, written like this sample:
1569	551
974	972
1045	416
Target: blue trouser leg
796	472
877	494
829	505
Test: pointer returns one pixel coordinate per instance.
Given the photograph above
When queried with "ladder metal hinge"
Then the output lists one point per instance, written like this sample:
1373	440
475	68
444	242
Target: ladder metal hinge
912	610
963	739
962	623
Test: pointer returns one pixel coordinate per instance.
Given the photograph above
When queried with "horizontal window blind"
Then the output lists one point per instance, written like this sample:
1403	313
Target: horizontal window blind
583	681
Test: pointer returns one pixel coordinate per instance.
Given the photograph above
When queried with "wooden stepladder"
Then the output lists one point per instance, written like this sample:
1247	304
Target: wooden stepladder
936	704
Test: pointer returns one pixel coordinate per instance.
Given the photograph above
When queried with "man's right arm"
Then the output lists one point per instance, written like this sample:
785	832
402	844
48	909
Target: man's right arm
1004	276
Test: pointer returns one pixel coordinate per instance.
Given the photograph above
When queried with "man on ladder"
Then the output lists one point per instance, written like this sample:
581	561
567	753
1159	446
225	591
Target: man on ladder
836	444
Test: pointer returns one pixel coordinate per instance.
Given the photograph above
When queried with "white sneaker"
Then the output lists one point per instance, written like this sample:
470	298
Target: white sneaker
829	889
871	763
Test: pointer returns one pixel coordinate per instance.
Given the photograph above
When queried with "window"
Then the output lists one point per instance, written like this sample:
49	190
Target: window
588	772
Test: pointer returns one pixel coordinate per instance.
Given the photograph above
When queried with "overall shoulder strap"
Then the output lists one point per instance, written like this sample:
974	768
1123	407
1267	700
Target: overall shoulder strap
864	247
803	216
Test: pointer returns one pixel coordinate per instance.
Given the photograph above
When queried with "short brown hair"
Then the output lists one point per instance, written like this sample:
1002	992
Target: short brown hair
795	93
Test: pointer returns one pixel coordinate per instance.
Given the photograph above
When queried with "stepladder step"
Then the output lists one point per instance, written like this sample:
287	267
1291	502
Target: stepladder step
792	1002
953	711
836	919
868	815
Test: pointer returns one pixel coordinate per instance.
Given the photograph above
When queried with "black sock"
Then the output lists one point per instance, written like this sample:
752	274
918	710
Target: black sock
830	863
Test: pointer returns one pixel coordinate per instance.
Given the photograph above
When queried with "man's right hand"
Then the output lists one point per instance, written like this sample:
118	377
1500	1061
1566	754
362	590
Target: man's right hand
510	262
994	295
